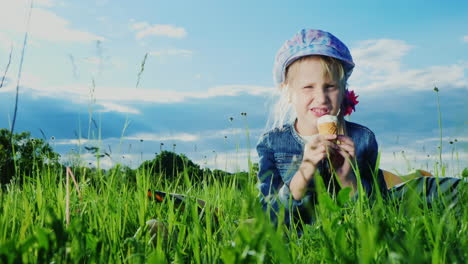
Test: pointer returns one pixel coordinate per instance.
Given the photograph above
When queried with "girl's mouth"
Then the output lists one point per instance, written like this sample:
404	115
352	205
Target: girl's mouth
319	111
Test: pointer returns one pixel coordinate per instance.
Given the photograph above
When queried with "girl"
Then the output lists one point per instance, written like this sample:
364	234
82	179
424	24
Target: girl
311	71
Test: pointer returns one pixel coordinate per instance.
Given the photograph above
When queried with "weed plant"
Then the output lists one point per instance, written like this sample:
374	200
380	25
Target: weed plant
108	225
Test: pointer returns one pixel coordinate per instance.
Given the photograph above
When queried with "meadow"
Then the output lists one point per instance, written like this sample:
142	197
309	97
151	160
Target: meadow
45	218
107	224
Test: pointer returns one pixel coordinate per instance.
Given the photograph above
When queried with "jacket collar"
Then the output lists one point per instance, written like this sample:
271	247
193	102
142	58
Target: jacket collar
294	133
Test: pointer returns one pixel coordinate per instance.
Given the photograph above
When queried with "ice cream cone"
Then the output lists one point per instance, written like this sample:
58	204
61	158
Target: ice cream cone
327	125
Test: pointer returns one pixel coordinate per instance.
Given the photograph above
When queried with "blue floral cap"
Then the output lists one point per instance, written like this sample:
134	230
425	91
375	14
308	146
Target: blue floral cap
311	42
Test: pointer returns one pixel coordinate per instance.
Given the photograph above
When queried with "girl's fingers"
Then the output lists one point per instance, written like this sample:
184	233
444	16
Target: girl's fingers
349	149
315	155
316	158
320	151
329	144
347	144
318	144
328	137
345	140
322	138
345	154
319	148
346	164
311	144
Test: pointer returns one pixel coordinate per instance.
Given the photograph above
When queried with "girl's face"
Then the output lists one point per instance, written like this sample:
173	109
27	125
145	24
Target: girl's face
312	94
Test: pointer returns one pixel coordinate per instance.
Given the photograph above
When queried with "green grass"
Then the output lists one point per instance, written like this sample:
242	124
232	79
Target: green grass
107	224
105	221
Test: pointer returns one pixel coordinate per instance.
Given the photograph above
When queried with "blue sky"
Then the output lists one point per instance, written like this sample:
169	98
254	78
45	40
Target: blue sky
211	60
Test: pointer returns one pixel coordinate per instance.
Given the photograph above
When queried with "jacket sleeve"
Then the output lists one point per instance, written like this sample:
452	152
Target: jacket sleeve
274	193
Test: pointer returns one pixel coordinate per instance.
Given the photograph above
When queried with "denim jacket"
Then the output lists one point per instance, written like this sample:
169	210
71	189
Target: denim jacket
280	152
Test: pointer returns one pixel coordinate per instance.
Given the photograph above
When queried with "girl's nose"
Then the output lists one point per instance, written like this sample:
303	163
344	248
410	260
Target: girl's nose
320	96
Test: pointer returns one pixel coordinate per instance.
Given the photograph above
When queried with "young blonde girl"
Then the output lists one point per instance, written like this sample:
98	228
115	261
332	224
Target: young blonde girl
311	71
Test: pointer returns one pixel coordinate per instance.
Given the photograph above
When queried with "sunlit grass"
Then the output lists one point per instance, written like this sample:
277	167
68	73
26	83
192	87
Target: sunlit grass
108	222
104	225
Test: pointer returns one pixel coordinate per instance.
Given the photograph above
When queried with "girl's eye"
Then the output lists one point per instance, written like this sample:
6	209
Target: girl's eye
308	87
331	87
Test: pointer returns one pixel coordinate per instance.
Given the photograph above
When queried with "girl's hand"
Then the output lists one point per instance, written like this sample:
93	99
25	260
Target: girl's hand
341	158
314	152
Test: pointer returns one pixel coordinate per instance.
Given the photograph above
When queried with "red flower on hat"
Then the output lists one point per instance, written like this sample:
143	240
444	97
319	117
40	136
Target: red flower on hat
350	102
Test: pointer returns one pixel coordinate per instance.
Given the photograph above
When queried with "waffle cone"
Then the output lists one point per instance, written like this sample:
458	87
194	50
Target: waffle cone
327	128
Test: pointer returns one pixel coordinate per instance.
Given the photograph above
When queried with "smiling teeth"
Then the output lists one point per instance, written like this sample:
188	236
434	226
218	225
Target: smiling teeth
320	111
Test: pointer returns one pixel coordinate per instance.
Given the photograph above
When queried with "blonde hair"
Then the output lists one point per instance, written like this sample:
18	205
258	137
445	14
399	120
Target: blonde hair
282	110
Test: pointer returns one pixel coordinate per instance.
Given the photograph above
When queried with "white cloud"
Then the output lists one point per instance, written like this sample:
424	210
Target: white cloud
80	92
436	139
144	29
379	68
190	137
139	26
465	39
231	161
103	63
380	55
235	90
225	132
46	3
93	60
44	24
159	137
6	42
88	159
155	137
229	132
111	107
70	142
404	163
27	79
392	158
234	160
172	52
